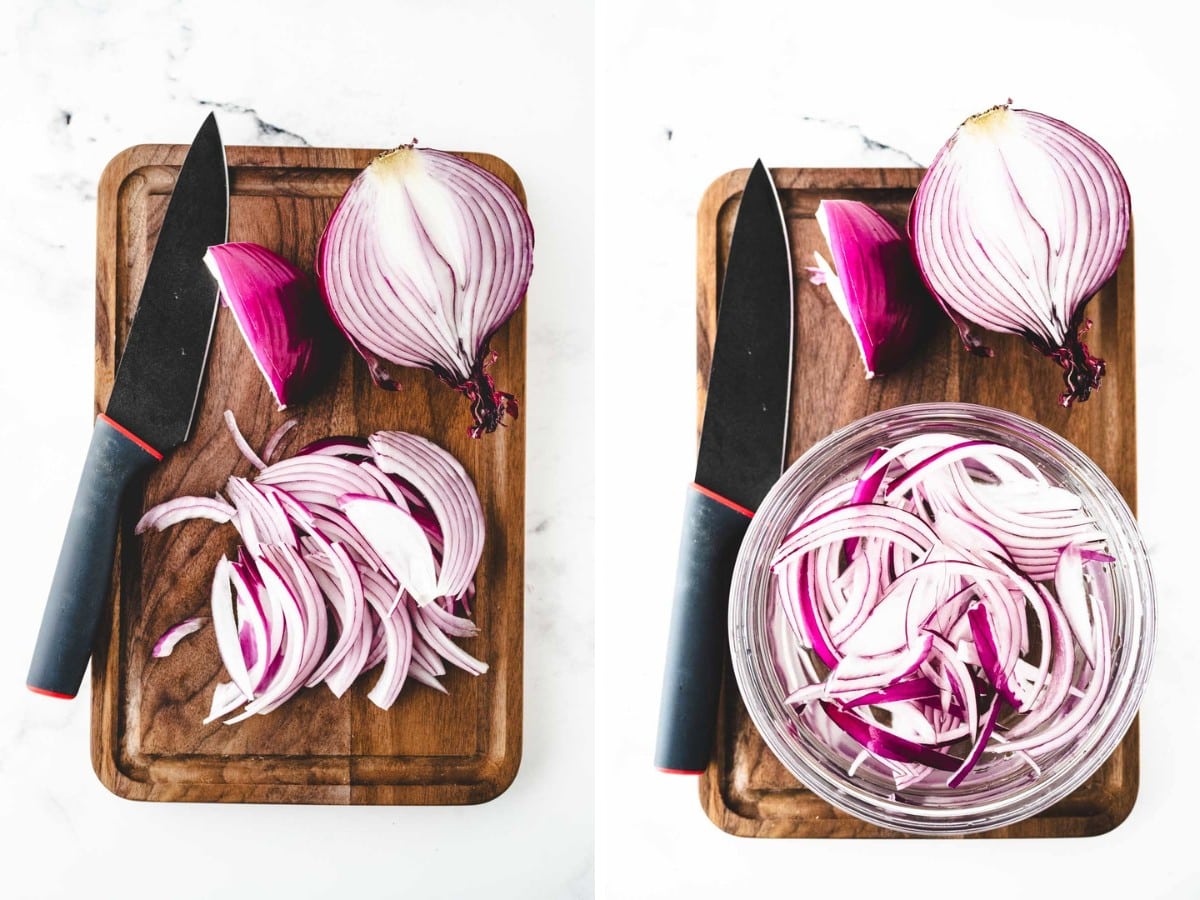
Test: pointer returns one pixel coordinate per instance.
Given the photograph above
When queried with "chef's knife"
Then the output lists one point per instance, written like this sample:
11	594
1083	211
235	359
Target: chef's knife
741	455
149	412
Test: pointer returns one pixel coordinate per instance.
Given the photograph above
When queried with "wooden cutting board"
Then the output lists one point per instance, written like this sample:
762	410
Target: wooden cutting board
148	742
746	791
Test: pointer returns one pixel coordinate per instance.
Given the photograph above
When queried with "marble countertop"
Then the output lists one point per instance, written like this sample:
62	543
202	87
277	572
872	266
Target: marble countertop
81	81
687	92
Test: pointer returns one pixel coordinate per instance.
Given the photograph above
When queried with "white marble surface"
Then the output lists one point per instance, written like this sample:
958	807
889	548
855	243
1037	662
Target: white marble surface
82	80
687	91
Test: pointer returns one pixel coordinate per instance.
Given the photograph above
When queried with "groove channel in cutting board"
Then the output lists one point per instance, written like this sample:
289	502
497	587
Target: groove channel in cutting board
746	791
148	742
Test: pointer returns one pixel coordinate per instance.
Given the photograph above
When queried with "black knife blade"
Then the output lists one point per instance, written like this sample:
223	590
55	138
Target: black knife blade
150	410
741	454
159	375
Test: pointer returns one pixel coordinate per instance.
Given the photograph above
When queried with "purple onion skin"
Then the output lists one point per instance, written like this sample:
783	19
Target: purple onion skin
282	317
887	745
890	307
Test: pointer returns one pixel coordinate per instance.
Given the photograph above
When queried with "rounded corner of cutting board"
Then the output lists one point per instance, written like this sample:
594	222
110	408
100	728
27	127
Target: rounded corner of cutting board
1117	814
499	779
123	162
109	774
718	193
708	790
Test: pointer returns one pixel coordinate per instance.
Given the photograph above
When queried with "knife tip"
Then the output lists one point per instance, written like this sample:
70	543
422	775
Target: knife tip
210	124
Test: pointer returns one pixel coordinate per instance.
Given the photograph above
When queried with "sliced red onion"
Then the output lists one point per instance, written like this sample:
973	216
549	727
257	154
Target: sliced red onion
225	626
1018	221
182	509
455	626
241	443
277	437
854	674
866	489
950	571
259	521
795	593
882	743
899	691
396	640
989	656
176	633
426	656
344	593
1068	583
902	527
289	677
398	540
449	493
226	698
873	282
427	625
342	675
259	632
425	257
419	673
354	448
413	536
336	527
981	742
279	312
320	479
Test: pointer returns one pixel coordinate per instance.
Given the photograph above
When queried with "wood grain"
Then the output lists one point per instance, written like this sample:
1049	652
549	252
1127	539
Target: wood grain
746	791
148	742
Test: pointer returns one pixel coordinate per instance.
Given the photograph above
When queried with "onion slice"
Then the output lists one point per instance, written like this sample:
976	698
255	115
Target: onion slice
398	540
176	633
183	509
450	494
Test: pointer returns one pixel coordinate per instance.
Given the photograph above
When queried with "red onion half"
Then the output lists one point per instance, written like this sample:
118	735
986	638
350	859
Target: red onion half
873	283
426	256
355	554
1019	220
945	610
279	313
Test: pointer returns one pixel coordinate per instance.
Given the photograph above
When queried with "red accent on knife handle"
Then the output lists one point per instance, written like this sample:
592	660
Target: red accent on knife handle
697	647
83	576
133	437
46	693
724	501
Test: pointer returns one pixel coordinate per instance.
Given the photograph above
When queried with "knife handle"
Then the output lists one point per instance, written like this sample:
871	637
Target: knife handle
82	577
713	529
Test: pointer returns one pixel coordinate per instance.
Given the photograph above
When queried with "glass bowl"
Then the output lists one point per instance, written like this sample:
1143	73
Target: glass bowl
995	795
